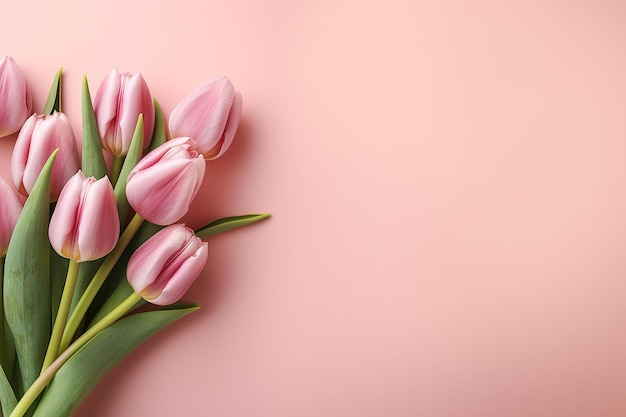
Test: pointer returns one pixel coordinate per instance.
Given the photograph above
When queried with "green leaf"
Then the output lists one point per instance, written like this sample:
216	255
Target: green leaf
58	272
88	366
134	155
27	279
7	396
159	136
229	223
54	97
93	164
85	274
7	345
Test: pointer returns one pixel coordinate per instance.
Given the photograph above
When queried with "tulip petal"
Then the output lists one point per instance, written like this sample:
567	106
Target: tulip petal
203	115
98	229
176	287
165	191
165	266
156	155
162	185
105	108
15	97
41	136
64	217
229	131
135	100
233	122
145	264
19	157
120	99
85	224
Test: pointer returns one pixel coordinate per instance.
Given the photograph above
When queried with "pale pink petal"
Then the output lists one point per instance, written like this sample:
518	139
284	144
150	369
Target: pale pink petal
164	267
157	154
203	113
162	194
120	100
105	109
147	262
85	224
137	100
15	98
99	226
63	221
21	149
163	184
231	128
179	283
41	136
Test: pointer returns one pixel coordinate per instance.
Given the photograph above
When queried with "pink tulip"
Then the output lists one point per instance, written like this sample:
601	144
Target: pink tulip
11	203
162	185
210	115
120	99
39	137
166	265
15	98
85	224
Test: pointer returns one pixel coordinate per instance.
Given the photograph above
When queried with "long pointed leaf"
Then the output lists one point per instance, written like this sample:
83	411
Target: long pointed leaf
228	223
133	156
159	136
7	396
93	164
88	366
27	279
54	97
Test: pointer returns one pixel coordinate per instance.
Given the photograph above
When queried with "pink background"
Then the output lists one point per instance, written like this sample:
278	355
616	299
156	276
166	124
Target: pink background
448	187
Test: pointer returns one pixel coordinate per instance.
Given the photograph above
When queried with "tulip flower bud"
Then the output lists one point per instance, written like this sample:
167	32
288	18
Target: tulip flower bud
39	137
163	184
11	203
210	115
166	265
15	98
119	101
85	224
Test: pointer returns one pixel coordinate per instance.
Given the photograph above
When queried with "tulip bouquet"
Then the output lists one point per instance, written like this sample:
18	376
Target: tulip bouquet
93	259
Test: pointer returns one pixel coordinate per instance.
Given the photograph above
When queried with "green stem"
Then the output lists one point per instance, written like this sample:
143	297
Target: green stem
44	379
62	313
96	282
3	352
118	161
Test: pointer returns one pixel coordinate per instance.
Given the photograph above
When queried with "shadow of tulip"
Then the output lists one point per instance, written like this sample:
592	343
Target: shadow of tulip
217	198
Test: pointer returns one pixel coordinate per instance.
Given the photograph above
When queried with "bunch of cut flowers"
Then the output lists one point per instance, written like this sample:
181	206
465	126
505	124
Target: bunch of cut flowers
87	238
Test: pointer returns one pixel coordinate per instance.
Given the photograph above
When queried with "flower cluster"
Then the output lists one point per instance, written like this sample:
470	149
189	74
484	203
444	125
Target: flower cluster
115	221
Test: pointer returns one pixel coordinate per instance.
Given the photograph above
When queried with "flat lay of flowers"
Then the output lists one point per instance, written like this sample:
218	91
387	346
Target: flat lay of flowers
94	258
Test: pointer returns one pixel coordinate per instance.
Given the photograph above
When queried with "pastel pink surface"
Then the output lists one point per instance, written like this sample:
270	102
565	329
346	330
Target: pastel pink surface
448	186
